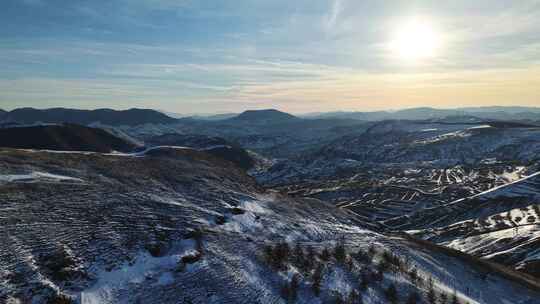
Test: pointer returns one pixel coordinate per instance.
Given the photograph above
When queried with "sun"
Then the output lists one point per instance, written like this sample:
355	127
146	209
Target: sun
415	39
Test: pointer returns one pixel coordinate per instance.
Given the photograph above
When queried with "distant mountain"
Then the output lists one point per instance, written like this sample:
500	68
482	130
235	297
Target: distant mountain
509	110
68	137
207	117
84	117
214	117
264	116
423	113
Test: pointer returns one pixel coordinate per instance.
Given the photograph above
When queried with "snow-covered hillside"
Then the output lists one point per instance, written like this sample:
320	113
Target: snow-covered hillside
501	224
187	227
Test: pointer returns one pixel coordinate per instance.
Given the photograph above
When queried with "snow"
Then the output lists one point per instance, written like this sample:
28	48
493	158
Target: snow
166	279
144	267
507	189
36	176
480	127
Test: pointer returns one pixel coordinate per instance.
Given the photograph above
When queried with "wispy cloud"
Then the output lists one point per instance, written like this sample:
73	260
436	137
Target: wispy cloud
303	54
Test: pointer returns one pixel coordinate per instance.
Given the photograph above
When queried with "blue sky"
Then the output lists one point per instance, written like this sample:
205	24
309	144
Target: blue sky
300	56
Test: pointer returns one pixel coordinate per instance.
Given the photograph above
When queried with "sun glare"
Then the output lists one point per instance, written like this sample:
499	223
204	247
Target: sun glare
415	40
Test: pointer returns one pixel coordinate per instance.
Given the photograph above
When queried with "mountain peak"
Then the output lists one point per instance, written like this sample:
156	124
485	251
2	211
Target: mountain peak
267	115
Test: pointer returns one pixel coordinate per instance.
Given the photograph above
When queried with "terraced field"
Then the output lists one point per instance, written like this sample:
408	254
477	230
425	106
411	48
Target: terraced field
380	194
502	224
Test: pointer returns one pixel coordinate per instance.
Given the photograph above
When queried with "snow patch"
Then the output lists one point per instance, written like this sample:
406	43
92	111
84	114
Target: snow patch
36	176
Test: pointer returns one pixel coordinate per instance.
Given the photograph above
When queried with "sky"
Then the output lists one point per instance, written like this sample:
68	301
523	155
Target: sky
212	56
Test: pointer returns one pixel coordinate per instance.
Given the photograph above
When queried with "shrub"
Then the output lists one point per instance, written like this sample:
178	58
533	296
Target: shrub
289	291
286	292
354	297
376	276
371	250
443	298
191	258
431	296
298	256
338	298
349	264
340	252
281	255
413	275
156	249
294	285
383	266
391	260
412	298
268	252
310	259
237	211
59	265
277	256
454	299
220	220
391	293
362	257
317	279
364	281
60	299
325	255
198	236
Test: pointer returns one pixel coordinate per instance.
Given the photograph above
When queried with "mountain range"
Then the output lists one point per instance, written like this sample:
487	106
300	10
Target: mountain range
413	206
146	116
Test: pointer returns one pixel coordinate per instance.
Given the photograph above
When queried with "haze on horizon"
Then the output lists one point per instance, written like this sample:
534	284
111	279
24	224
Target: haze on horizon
205	56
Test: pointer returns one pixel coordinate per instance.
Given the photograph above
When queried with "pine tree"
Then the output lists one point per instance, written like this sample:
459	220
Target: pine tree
280	256
339	299
310	258
371	250
413	274
293	287
298	256
431	296
325	255
454	299
317	279
339	251
354	297
391	293
412	298
286	292
362	257
364	281
349	263
268	253
443	298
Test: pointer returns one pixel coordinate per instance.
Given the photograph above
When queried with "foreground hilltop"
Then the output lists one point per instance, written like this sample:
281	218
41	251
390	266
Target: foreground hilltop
85	117
173	225
65	137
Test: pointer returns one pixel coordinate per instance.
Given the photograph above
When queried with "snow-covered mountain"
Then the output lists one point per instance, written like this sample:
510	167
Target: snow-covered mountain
63	137
186	227
129	117
272	208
